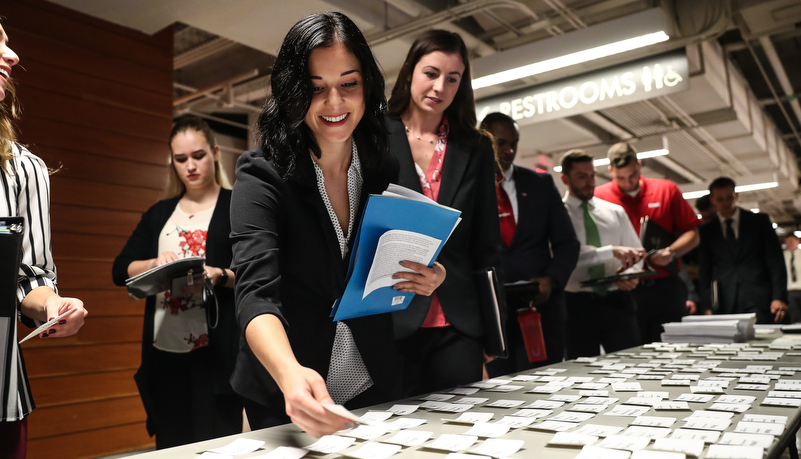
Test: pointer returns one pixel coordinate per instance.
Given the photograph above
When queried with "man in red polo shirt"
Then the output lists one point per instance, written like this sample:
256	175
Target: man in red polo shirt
662	298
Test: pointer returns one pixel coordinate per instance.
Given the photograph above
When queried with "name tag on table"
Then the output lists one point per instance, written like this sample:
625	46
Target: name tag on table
734	452
690	447
707	436
487	430
374	451
515	422
653	421
766	428
409	438
452	442
625	442
707	424
646	432
405	423
402	410
783	402
696	398
627	410
496	447
598	430
596	452
470	418
572	439
745	439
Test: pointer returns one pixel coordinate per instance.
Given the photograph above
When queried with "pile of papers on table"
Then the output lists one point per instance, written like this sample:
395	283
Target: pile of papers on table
723	328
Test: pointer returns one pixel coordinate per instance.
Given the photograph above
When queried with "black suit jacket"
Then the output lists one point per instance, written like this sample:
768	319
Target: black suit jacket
468	184
223	340
288	263
545	242
750	275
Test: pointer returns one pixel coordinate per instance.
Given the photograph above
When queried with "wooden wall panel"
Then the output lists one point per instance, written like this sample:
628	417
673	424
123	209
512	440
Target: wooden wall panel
102	195
70	360
97	102
88	415
64	390
91	443
41	132
87	220
97	330
79	165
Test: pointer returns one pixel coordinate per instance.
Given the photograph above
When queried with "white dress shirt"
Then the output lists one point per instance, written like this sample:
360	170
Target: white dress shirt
735	224
508	185
797	262
614	228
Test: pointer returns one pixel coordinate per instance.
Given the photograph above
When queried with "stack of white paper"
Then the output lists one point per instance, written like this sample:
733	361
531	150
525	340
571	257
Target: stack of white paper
703	332
745	321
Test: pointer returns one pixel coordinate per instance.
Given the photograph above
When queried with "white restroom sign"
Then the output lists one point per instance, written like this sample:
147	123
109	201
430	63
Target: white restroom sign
622	84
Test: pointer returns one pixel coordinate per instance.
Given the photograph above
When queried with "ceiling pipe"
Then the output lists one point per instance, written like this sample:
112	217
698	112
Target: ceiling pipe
427	21
215	87
784	81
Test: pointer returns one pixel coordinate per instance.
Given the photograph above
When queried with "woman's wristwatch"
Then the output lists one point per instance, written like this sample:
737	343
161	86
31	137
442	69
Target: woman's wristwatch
223	279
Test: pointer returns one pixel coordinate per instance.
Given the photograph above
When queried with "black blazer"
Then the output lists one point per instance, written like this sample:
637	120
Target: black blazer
544	243
143	245
468	184
749	276
542	225
288	263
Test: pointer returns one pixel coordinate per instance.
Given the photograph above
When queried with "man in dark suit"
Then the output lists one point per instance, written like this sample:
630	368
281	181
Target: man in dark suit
539	244
742	248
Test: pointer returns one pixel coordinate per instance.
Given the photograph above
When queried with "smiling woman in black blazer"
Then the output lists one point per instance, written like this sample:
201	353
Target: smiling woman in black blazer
433	136
323	151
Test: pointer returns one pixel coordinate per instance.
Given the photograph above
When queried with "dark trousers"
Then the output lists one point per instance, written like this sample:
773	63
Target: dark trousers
594	320
186	408
439	358
14	439
794	305
659	301
262	417
553	333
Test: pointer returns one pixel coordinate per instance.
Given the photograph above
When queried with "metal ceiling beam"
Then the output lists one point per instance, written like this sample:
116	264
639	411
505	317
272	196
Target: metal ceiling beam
451	14
201	52
781	75
215	87
773	90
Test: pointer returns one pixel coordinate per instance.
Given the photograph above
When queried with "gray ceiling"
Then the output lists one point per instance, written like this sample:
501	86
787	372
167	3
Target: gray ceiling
728	122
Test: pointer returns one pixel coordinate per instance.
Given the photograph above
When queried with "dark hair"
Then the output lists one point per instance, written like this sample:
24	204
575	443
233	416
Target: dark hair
721	182
703	203
461	113
574	156
621	154
496	117
282	129
175	186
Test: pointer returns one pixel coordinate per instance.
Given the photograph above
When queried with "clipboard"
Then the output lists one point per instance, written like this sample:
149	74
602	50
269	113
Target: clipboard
618	277
654	237
11	234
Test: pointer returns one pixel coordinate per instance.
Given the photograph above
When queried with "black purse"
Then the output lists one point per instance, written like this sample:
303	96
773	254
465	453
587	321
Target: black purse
211	304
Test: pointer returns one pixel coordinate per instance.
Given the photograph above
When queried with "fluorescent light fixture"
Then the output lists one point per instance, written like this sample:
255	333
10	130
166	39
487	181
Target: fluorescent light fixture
695	194
739	189
567	60
642	155
756	186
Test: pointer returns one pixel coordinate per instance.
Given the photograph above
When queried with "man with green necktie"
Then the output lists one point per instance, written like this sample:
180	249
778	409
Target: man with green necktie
604	314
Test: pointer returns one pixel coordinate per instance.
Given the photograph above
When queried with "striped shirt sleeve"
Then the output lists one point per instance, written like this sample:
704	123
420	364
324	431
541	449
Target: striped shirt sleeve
26	193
